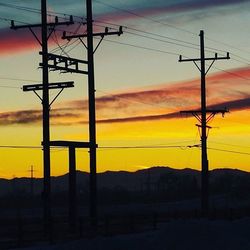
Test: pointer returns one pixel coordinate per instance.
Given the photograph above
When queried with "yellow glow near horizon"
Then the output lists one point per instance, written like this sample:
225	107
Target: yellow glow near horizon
229	133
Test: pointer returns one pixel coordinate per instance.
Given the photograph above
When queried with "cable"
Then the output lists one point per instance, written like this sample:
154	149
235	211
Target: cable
9	87
146	147
143	17
145	32
20	147
68	43
228	45
231	73
172	26
141	47
159	40
173	39
227	144
209	49
130	12
58	44
100	147
229	151
17	79
14	79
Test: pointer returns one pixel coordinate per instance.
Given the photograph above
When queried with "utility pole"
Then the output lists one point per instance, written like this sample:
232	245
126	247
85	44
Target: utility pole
204	115
92	114
32	180
46	118
45	86
91	99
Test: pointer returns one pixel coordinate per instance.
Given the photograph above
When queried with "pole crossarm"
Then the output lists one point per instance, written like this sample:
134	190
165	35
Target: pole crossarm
65	64
56	23
213	59
50	25
227	57
211	113
71	144
56	85
101	34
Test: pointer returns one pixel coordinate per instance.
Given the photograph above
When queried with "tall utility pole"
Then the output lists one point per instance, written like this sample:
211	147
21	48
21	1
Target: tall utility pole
45	86
92	114
31	180
91	99
203	118
46	116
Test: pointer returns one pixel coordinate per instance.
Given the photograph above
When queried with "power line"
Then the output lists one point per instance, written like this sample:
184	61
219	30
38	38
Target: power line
143	17
231	73
8	87
145	32
229	151
160	40
132	13
131	147
104	147
142	47
173	39
209	49
20	147
227	144
172	26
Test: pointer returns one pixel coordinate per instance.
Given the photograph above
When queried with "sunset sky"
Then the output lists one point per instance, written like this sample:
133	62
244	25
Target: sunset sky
140	85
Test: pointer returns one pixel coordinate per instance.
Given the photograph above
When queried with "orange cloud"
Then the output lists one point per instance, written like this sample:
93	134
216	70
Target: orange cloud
154	103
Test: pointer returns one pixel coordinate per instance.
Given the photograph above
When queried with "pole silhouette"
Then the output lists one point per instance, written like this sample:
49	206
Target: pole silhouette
91	101
32	180
45	86
46	117
92	113
204	115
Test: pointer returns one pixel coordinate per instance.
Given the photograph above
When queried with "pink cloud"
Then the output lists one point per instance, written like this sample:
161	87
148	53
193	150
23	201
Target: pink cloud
157	102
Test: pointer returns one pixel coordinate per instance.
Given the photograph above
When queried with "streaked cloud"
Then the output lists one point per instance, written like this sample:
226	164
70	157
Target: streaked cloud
152	103
22	40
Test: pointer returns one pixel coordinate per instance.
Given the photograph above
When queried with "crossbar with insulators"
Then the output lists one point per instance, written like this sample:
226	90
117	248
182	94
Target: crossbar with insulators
212	111
64	64
74	144
56	85
64	58
56	23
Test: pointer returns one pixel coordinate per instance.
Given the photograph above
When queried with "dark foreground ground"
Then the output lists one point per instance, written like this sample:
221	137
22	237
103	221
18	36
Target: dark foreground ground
174	235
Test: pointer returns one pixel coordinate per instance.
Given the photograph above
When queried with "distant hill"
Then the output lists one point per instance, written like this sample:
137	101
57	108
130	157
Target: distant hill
148	180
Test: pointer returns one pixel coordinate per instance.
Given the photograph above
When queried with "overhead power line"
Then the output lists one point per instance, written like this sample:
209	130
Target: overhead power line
172	26
229	151
64	15
132	147
144	17
142	47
